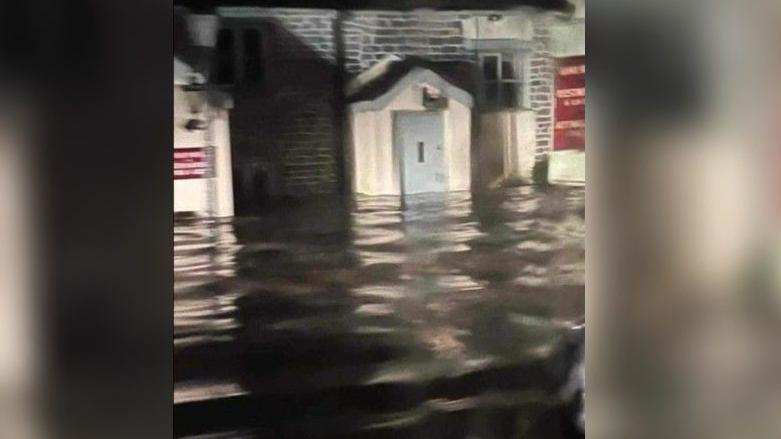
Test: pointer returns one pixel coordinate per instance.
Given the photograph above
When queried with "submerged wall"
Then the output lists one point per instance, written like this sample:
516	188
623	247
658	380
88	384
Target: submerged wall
286	122
204	195
507	147
567	167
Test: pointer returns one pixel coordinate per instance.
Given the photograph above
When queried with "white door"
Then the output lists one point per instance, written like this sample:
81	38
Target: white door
419	143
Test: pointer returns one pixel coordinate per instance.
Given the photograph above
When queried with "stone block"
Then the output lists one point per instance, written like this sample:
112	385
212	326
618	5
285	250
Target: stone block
387	40
390	32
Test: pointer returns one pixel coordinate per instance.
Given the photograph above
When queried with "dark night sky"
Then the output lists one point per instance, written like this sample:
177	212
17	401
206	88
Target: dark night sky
206	5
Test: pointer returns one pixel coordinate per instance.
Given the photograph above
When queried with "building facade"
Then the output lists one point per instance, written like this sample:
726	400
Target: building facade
567	158
280	66
287	70
202	172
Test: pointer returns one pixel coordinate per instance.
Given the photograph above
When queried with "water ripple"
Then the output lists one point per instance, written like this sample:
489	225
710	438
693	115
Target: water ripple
376	291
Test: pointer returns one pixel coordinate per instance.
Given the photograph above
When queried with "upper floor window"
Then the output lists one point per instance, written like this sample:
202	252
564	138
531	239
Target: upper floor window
224	61
253	55
503	79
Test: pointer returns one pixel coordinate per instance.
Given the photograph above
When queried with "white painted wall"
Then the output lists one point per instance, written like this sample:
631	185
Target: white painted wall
580	8
203	29
458	134
520	151
224	171
490	163
515	26
20	273
568	38
507	146
191	195
567	167
375	169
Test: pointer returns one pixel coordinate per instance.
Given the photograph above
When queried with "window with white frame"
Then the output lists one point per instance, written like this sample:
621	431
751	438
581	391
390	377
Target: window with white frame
503	79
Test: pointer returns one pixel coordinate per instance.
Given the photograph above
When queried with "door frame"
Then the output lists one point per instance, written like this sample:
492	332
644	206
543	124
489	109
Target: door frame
398	156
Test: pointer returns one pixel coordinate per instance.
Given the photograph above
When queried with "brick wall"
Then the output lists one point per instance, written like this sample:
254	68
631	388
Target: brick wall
297	126
308	139
312	27
438	36
308	153
291	121
371	35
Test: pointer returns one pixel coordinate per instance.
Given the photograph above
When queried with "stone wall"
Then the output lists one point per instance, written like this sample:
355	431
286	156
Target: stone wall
438	36
290	122
371	35
309	152
294	121
312	27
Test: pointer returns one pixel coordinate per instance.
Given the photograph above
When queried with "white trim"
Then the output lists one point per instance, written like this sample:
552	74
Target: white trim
417	75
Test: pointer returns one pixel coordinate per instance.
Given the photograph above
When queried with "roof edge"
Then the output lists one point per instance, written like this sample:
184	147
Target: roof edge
415	75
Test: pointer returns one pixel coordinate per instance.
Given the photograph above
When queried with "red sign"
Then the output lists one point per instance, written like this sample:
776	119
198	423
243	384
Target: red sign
193	163
569	130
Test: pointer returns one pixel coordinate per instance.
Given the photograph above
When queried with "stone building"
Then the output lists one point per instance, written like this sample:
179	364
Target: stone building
287	70
280	66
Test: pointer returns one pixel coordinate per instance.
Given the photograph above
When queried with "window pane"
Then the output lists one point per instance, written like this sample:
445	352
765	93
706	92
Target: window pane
492	94
509	71
224	59
253	68
511	95
490	67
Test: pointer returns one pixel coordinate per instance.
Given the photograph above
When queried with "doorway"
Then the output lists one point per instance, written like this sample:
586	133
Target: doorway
418	142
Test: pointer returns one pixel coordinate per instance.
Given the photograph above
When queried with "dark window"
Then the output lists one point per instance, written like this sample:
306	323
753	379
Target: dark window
181	37
508	70
253	55
421	153
489	68
502	80
510	95
224	63
492	94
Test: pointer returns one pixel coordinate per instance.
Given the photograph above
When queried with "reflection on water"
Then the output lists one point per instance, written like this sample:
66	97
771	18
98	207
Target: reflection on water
363	317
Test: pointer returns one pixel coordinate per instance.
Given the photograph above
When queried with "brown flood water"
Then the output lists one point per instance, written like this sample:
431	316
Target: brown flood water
361	317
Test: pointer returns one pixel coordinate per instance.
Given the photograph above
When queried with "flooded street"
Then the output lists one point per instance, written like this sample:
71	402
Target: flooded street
365	318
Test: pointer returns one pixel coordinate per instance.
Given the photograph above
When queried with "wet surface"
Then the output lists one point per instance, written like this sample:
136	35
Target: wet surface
363	318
